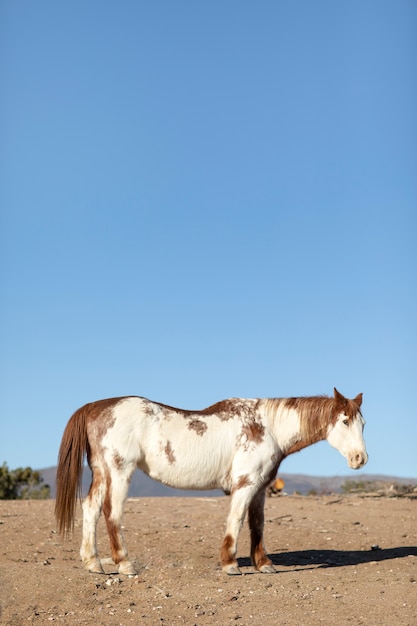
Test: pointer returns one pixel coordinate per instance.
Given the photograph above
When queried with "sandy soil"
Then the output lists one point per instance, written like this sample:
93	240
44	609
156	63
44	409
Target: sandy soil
339	560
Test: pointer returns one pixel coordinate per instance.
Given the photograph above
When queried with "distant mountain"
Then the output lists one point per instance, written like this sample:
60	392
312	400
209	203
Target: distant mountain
144	486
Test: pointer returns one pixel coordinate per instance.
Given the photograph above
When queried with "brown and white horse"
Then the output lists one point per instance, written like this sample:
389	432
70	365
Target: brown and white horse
236	445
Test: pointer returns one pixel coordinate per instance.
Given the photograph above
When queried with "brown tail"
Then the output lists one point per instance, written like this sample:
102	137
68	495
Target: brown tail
74	445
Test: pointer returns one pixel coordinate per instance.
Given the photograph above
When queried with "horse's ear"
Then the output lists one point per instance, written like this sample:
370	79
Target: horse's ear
358	399
338	396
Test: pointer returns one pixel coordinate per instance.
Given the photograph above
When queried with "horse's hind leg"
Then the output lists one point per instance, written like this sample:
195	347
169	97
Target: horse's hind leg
256	525
117	487
91	512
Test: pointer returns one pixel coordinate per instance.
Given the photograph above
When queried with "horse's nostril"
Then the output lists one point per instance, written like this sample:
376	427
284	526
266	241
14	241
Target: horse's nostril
357	460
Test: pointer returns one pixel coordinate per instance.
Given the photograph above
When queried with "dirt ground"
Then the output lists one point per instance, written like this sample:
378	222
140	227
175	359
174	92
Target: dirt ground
339	559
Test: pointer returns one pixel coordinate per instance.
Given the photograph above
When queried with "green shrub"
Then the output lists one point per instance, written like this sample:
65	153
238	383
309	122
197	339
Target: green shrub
22	484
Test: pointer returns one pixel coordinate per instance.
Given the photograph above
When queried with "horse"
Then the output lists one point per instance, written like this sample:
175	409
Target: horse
235	445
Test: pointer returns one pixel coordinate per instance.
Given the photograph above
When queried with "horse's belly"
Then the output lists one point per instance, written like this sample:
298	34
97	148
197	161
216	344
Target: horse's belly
187	475
188	458
190	482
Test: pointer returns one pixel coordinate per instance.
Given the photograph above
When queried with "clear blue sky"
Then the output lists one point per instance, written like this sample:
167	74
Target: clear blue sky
202	200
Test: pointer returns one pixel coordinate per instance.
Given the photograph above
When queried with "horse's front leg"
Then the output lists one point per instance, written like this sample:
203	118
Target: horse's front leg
256	524
240	498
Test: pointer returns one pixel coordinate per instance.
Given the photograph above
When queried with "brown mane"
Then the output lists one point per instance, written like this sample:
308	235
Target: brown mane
316	414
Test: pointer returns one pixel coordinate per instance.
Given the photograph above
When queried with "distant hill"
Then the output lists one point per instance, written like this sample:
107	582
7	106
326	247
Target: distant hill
142	485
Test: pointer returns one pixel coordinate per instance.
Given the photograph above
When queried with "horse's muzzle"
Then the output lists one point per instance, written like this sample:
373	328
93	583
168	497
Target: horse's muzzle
357	460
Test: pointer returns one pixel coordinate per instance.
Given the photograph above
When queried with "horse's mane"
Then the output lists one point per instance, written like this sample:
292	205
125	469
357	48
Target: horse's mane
315	413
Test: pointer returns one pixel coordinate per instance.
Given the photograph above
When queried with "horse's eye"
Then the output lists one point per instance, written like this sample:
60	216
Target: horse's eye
346	422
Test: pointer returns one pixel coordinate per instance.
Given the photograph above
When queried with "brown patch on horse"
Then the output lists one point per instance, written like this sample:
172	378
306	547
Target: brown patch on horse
112	528
198	426
226	556
254	431
107	497
101	417
148	407
107	510
243	481
224	410
118	461
115	544
233	407
95	409
169	453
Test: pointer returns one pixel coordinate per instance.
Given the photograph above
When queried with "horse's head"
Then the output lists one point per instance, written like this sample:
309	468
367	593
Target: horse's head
345	432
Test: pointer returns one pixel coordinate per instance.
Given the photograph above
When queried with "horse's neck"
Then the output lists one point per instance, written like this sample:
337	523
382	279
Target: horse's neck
286	424
283	422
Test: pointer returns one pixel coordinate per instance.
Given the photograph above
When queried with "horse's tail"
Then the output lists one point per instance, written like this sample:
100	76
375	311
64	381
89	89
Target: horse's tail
74	445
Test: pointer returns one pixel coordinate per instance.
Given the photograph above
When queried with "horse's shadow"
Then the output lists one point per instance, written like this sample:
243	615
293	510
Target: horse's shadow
315	559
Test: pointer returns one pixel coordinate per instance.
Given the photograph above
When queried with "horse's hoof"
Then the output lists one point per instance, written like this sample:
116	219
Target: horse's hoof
232	570
267	569
94	567
126	567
